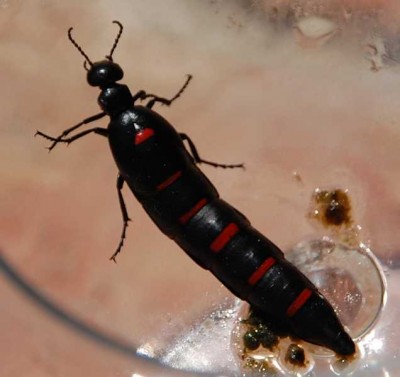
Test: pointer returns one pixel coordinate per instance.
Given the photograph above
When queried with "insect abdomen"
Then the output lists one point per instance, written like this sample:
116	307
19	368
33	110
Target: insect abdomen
242	258
186	207
221	239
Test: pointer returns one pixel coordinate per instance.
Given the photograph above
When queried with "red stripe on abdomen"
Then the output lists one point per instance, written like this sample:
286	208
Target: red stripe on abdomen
169	181
224	237
261	271
300	300
189	214
143	135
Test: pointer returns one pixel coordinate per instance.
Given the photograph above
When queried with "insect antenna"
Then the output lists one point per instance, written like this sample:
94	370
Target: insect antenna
109	57
77	46
85	66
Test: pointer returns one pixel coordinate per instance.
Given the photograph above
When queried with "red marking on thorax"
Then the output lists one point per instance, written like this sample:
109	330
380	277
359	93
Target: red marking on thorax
300	300
188	215
143	135
224	237
261	271
170	180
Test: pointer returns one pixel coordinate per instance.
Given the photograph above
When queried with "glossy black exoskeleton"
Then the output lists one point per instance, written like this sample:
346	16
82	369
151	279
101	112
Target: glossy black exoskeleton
153	161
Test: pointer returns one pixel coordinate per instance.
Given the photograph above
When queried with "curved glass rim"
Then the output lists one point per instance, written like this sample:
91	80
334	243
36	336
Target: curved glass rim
67	319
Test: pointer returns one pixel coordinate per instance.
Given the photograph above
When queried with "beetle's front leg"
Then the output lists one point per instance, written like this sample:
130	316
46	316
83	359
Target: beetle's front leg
69	130
69	140
166	101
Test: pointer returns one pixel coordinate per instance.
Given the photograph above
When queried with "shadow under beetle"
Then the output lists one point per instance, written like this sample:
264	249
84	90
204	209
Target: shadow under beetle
153	161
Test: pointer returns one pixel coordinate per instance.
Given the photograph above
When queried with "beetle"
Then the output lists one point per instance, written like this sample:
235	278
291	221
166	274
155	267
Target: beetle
164	177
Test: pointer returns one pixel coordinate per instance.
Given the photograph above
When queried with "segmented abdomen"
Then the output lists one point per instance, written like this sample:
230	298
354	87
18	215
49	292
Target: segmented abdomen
186	207
221	239
245	261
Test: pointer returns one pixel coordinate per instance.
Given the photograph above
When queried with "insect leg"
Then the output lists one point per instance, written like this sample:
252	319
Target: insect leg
69	140
125	216
141	94
73	128
199	160
165	101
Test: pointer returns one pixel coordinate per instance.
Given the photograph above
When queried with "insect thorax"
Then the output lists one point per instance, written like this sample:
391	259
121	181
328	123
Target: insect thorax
115	98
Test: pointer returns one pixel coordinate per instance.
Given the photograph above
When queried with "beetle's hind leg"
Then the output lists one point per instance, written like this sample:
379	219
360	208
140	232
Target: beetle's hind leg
198	160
